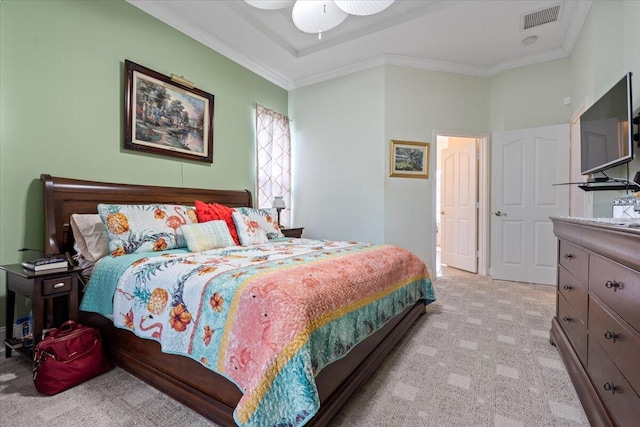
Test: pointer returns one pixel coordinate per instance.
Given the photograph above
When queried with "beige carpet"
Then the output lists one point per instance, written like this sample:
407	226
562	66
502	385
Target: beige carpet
479	357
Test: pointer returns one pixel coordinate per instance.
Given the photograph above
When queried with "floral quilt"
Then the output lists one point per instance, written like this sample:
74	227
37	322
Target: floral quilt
267	317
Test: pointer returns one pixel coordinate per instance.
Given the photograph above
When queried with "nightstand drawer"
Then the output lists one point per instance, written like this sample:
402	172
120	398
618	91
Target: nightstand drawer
56	286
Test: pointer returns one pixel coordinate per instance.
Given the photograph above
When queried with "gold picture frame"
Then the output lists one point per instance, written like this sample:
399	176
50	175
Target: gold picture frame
409	159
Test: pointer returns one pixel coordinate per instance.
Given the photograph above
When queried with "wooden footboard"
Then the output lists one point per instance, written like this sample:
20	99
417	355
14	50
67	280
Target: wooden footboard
215	397
184	379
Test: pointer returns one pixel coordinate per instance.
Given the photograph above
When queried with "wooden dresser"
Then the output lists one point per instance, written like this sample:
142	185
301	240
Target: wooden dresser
597	323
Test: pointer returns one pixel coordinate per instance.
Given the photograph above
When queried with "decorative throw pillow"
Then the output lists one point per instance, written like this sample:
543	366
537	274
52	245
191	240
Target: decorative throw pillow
249	231
90	236
145	228
212	211
207	235
267	219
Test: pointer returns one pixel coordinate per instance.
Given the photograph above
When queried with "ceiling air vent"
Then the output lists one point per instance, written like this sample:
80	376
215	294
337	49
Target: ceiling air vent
543	16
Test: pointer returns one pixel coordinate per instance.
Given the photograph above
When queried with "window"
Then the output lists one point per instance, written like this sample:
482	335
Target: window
273	157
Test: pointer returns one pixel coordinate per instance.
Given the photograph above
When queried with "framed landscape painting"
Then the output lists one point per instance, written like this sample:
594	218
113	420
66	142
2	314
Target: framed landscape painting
409	159
166	116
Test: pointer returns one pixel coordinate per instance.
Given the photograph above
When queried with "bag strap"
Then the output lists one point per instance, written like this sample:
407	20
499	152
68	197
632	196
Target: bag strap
40	356
65	328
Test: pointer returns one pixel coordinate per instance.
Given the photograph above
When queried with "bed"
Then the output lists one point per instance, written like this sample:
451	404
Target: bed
187	380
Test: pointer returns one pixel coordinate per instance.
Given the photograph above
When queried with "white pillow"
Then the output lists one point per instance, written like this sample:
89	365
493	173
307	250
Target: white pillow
249	231
90	236
267	219
207	235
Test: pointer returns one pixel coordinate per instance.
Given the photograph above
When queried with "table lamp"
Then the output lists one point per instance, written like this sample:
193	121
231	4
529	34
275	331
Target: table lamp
278	203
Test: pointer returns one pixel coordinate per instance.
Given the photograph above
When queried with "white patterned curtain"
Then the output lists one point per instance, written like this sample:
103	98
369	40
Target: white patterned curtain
273	155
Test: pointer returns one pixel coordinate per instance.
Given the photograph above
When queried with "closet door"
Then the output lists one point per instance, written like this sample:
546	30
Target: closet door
526	164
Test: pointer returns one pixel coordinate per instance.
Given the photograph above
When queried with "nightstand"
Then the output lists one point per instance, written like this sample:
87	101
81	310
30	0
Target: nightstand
40	287
292	232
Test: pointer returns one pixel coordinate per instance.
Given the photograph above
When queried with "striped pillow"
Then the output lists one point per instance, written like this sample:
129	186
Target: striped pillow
207	235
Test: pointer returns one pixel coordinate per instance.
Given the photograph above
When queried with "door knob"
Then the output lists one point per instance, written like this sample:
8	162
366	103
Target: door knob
498	213
441	212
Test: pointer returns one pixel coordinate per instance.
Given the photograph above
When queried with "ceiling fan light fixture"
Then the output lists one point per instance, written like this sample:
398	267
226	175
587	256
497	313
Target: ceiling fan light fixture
270	4
316	16
363	7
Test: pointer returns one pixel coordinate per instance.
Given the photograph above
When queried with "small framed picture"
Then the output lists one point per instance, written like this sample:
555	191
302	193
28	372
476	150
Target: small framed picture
164	116
409	159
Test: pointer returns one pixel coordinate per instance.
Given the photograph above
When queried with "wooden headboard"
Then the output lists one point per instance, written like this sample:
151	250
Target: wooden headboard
64	197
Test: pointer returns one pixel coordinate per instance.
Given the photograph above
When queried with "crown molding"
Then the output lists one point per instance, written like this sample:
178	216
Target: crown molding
443	66
575	26
425	64
355	67
154	9
387	59
536	58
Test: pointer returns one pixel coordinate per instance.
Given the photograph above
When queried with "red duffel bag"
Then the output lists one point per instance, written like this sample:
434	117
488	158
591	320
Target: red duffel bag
68	356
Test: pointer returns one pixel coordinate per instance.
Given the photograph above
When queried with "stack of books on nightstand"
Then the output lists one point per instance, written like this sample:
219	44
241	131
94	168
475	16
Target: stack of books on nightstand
47	263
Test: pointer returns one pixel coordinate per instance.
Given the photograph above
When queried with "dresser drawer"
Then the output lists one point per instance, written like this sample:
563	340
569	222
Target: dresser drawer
620	343
56	286
618	287
574	292
575	260
574	327
622	402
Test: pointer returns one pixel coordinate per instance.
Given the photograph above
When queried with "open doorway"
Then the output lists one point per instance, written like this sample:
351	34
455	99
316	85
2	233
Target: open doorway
461	201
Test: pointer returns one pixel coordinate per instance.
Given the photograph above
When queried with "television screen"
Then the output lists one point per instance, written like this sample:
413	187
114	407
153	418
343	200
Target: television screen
605	130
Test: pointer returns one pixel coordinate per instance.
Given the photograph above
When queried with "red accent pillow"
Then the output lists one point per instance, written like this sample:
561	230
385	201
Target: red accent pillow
212	211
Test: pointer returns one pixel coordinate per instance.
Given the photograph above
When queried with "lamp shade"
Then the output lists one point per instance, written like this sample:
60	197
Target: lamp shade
270	4
363	7
317	16
278	203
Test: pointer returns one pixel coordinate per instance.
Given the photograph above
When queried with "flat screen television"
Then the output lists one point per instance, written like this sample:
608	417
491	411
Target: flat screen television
605	130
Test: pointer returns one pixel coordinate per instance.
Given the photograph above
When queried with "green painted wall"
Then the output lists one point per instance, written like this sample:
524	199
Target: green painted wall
61	101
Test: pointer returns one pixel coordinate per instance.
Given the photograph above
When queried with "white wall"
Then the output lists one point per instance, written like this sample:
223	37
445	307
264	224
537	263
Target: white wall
338	157
342	128
607	48
417	102
531	96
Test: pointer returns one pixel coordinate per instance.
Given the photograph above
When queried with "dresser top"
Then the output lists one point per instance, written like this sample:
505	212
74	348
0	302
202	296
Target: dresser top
613	238
610	221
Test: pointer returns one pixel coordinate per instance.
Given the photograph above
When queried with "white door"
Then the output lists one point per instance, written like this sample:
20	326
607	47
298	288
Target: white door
525	165
459	216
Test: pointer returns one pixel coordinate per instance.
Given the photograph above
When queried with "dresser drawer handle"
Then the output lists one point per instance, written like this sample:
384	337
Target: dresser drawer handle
567	287
568	256
612	284
611	336
610	387
58	285
567	319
